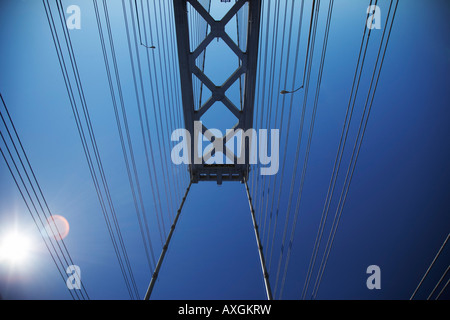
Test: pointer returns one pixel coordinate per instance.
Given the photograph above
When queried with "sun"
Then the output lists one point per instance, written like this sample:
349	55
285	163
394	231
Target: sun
14	248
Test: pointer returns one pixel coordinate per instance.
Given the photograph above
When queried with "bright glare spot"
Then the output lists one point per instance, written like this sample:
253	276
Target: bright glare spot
14	248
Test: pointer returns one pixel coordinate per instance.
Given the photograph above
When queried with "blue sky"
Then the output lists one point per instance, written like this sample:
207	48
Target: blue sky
396	215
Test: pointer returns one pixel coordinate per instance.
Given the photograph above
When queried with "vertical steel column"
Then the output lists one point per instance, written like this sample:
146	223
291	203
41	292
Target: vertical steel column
260	247
166	246
187	95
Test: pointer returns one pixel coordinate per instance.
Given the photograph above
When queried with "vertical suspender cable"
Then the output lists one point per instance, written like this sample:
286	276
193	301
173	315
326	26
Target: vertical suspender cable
166	246
260	247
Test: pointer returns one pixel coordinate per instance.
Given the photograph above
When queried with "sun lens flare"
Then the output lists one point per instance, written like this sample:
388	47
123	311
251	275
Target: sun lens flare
58	227
14	248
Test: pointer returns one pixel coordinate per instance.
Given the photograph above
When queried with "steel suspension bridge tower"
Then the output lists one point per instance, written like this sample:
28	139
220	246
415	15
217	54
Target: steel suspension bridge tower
188	55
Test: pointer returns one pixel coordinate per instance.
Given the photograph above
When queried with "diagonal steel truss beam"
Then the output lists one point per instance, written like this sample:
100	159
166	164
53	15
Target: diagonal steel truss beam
199	169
